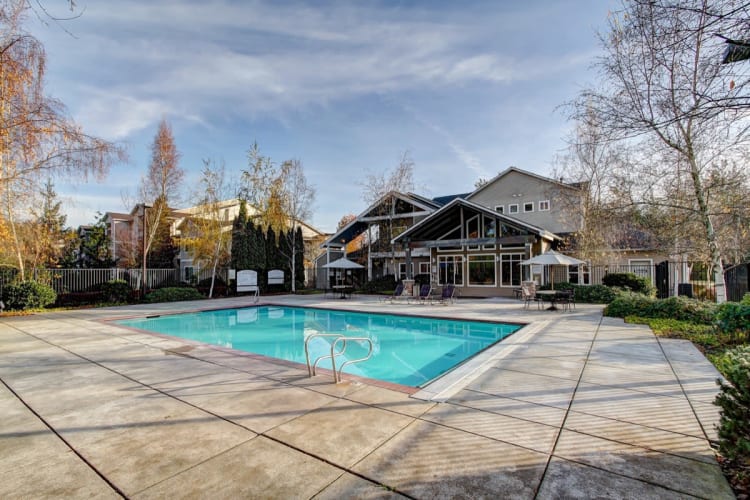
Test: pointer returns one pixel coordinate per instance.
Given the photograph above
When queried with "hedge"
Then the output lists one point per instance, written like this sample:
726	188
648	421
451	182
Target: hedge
734	401
680	308
173	294
28	295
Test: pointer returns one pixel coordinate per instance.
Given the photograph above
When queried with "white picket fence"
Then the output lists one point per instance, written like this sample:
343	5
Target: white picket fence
81	280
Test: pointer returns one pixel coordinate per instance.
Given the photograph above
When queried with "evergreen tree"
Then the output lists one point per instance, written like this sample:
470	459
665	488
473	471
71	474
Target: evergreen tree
299	261
256	243
163	249
241	240
49	229
95	246
272	250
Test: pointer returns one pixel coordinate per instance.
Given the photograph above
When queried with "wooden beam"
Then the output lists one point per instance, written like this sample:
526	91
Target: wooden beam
394	216
508	240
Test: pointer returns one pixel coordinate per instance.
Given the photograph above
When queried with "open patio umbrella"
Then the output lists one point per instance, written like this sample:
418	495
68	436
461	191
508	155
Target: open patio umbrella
552	258
343	263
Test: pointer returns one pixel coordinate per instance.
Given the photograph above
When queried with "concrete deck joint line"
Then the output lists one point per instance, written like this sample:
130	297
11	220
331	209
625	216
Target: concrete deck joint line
567	411
65	441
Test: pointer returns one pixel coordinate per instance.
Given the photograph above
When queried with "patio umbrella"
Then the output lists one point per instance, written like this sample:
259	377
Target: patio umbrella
343	263
552	258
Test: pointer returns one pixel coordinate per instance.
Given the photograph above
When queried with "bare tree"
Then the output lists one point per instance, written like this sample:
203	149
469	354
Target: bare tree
38	140
297	198
594	164
159	188
381	187
664	88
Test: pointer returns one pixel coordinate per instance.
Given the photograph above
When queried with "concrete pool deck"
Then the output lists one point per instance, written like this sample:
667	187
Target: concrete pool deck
573	406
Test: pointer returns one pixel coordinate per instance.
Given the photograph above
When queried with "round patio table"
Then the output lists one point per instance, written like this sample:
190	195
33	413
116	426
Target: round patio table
548	295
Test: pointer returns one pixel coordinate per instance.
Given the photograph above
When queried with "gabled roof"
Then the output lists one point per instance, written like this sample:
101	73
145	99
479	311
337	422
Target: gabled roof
360	224
444	218
576	186
442	200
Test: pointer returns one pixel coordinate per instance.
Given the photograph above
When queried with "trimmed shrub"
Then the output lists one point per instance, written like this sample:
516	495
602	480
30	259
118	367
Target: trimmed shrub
734	319
385	283
680	308
631	282
591	294
116	291
173	294
72	299
28	295
734	401
745	300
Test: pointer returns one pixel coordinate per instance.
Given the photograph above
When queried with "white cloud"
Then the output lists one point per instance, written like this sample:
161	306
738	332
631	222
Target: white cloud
117	116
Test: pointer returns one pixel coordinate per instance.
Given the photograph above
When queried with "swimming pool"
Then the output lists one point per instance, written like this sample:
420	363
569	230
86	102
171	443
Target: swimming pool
407	350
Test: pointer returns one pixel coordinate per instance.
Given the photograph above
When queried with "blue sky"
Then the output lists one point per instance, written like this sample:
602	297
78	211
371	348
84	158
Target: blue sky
467	88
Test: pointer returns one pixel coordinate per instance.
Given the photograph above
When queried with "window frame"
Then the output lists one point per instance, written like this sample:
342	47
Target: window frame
541	206
528	206
487	258
513	208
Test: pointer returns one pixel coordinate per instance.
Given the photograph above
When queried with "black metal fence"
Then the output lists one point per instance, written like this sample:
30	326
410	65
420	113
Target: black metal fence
738	281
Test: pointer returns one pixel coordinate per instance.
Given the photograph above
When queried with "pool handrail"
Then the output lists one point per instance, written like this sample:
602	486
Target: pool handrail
311	367
337	375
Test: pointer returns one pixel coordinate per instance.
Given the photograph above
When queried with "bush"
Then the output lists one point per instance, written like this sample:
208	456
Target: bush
734	319
72	299
173	294
591	294
631	282
28	295
116	291
679	308
745	300
206	282
385	283
734	401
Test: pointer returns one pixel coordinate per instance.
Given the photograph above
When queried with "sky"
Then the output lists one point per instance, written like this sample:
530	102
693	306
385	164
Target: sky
347	87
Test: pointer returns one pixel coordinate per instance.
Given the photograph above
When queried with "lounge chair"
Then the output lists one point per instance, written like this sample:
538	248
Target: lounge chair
425	294
398	293
447	295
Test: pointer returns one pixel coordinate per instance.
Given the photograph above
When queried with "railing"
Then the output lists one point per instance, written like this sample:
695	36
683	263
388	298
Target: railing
333	353
81	280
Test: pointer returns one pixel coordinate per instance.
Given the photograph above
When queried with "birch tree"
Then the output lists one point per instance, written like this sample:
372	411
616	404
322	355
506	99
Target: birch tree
281	198
297	197
38	140
663	87
208	232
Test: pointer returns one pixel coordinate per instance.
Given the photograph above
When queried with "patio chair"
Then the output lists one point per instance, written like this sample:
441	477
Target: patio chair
528	294
566	298
448	293
425	294
398	293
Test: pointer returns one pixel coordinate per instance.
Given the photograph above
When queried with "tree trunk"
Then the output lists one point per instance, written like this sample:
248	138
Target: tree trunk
713	246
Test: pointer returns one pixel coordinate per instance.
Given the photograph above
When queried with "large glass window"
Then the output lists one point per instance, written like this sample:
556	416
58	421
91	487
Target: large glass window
472	231
489	230
510	269
579	275
482	270
450	269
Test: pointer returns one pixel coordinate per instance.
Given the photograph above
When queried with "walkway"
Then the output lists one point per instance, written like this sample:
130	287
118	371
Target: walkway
573	406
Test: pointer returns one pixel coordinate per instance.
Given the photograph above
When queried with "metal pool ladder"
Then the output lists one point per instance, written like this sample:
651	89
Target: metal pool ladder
339	339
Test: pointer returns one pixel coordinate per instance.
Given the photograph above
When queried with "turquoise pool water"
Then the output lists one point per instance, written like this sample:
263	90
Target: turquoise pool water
407	350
